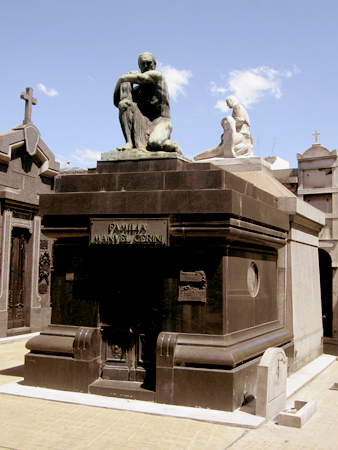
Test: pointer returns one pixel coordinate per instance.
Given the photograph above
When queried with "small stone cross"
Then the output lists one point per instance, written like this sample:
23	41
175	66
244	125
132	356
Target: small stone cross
316	134
28	97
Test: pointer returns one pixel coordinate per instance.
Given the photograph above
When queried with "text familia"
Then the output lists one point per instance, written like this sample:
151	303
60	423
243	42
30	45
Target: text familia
128	233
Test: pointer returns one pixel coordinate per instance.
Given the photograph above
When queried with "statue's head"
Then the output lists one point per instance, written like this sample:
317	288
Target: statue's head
146	61
232	101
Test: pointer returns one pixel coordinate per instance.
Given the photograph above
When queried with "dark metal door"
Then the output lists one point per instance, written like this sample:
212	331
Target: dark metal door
16	296
131	295
325	268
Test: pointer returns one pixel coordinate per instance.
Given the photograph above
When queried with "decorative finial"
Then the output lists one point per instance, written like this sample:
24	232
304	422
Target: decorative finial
316	133
28	97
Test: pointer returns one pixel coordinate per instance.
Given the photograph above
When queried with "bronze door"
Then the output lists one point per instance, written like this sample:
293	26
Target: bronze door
131	295
16	295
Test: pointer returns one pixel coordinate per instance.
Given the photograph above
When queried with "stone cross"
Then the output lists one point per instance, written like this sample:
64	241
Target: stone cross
28	97
316	134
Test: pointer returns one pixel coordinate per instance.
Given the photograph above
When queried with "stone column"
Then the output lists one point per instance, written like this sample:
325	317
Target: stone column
35	299
5	268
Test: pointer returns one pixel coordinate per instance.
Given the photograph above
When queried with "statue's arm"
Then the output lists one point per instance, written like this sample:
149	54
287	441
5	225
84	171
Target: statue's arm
135	77
241	116
117	94
141	78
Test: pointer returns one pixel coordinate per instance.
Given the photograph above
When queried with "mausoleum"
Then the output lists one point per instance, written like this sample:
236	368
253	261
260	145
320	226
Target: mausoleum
315	182
27	170
171	277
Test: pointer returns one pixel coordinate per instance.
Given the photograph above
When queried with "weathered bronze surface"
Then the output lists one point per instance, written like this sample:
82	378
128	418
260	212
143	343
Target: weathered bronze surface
192	287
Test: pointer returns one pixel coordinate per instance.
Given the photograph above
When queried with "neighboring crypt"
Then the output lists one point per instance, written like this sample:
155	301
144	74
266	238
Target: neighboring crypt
27	170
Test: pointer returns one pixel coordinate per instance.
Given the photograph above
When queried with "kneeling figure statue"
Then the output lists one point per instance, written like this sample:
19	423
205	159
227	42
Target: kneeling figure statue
236	140
144	108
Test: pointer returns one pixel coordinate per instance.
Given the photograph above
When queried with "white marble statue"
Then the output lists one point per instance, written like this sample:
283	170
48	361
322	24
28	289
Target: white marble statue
236	140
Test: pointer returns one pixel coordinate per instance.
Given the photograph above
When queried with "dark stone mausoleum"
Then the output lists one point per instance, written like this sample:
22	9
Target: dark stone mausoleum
167	284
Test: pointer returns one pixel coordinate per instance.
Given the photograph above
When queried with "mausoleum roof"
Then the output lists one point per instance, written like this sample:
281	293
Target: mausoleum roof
316	151
29	136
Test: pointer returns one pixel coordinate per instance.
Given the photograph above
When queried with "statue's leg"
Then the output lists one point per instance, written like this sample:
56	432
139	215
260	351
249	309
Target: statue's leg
210	153
141	127
243	145
160	135
229	137
126	121
225	148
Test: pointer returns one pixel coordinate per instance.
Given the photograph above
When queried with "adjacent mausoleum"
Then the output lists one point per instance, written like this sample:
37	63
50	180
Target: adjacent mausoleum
27	170
315	182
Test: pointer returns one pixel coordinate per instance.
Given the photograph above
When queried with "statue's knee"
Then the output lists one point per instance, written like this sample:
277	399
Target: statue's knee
153	141
160	134
124	105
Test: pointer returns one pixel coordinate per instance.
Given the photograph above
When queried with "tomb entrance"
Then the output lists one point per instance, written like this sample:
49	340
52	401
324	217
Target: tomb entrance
130	295
17	302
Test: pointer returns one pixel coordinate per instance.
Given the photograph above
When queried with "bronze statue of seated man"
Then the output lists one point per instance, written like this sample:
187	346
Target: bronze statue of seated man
144	108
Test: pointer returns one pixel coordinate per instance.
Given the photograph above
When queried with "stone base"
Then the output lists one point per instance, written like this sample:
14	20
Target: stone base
135	154
60	372
240	164
225	390
209	386
18	331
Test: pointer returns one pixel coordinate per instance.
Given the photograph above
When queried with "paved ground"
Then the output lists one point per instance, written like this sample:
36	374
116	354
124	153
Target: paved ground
31	424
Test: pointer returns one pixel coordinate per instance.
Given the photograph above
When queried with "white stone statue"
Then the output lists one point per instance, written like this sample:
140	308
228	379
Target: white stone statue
236	140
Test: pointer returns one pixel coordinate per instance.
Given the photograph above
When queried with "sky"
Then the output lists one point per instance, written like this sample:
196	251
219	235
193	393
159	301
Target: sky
279	58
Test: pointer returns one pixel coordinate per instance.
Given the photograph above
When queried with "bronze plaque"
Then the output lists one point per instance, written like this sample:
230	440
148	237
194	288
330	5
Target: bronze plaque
129	231
192	287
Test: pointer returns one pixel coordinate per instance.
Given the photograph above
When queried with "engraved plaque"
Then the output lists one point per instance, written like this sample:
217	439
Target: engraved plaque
192	287
129	232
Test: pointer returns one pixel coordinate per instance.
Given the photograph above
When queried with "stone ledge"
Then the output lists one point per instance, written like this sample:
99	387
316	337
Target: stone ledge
297	416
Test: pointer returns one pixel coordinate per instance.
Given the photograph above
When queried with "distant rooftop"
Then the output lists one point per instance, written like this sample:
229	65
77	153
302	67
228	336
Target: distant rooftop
69	169
277	163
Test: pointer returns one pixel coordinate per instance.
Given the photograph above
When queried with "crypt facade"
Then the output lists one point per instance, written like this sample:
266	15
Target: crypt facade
27	170
315	181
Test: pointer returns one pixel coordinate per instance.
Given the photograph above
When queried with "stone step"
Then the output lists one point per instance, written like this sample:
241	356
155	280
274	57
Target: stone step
121	389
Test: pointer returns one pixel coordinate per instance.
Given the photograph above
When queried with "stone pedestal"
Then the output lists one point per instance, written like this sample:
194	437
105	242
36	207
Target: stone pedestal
63	357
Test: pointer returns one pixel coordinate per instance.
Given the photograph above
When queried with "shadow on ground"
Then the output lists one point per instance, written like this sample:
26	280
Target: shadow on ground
17	371
331	349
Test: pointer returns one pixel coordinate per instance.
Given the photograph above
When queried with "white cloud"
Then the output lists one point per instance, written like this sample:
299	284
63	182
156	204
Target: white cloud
85	157
251	85
176	79
50	92
222	106
217	89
